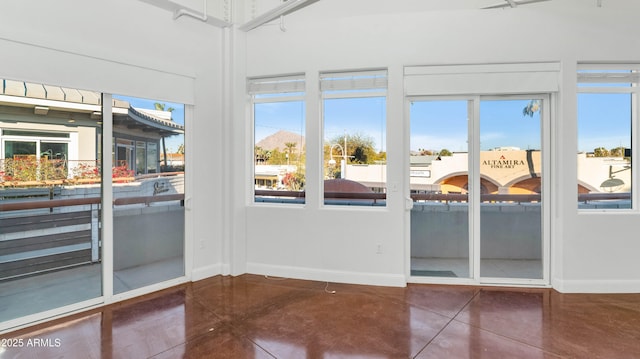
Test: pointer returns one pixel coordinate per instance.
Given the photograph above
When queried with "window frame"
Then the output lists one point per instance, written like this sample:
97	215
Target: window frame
275	89
358	84
607	74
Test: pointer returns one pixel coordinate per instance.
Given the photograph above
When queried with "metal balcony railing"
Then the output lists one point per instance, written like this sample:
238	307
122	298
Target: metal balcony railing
441	197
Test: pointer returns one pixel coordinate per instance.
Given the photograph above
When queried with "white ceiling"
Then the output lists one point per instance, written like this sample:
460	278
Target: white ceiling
241	11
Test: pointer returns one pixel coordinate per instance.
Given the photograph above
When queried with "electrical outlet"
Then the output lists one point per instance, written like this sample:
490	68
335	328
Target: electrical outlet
379	248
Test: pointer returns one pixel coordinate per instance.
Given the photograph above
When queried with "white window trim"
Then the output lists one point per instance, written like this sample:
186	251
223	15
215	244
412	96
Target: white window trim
295	86
605	77
351	84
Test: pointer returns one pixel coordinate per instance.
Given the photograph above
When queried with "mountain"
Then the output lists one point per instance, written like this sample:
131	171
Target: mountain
278	139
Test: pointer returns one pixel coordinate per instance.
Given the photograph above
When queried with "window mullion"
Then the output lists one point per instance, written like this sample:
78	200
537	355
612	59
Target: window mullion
107	198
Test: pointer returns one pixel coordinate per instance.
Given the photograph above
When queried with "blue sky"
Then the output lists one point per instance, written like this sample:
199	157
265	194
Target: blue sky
177	115
363	116
436	125
604	120
439	124
272	117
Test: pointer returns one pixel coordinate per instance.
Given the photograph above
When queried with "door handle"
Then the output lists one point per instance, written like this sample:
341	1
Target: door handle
408	203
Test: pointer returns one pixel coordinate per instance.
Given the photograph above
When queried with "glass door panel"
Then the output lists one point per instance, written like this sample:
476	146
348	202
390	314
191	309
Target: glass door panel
141	156
50	238
148	212
439	188
124	154
510	183
152	157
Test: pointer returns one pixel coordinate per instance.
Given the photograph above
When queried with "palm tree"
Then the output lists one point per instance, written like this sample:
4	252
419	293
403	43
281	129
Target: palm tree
532	107
289	146
161	107
261	155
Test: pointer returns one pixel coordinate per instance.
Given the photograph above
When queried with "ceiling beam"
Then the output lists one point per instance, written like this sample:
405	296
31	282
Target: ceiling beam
512	3
285	8
179	10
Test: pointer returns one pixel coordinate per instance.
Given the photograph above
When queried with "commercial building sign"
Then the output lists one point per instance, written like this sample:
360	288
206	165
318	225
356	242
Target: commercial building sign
503	163
420	173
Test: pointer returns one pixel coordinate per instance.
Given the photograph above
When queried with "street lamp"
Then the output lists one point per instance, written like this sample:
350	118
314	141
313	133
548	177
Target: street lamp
613	184
343	161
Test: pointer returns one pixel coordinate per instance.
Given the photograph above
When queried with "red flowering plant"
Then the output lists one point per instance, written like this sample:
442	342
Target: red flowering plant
293	181
91	171
33	169
5	177
86	170
122	173
30	169
52	169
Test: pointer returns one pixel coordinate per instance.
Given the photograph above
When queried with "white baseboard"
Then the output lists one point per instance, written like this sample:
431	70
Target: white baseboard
597	286
379	279
207	271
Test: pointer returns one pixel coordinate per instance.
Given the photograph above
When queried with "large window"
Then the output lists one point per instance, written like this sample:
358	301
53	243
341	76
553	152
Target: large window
279	146
45	153
354	111
607	114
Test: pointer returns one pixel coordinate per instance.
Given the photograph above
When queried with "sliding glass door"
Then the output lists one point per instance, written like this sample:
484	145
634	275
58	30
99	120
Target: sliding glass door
61	249
477	183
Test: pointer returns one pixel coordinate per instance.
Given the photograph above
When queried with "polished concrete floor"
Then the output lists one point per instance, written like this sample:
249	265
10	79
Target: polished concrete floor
257	317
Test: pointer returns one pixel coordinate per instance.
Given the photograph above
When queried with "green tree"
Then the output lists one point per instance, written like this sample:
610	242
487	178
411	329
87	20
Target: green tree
617	152
181	149
381	157
360	148
277	157
361	155
445	152
601	152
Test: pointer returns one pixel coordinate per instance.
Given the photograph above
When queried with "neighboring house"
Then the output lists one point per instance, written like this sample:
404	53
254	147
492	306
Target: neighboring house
270	176
40	121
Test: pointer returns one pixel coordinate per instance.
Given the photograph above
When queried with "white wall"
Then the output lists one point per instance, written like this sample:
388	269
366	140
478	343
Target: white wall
131	48
590	252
